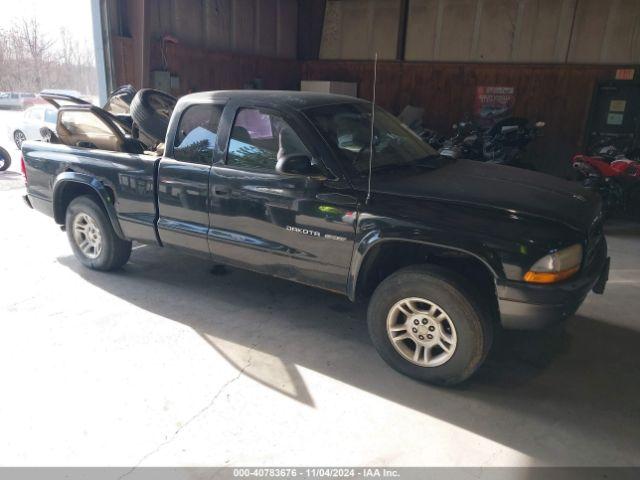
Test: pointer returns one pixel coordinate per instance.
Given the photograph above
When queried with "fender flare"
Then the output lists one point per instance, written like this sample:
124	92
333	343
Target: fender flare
98	187
373	239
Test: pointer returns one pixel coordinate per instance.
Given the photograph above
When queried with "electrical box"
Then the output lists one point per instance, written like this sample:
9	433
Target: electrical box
161	80
175	82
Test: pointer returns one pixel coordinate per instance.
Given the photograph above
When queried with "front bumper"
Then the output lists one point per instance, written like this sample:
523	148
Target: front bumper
525	306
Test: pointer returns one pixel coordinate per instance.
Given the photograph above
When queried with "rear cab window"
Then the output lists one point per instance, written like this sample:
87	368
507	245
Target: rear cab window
197	134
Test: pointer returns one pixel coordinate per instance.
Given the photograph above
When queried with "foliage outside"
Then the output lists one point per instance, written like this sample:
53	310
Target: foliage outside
30	60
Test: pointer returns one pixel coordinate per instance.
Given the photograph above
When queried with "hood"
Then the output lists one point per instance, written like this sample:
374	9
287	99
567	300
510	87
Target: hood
512	189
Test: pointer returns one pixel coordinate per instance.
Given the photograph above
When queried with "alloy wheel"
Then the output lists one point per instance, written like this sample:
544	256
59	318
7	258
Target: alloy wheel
87	235
19	137
422	332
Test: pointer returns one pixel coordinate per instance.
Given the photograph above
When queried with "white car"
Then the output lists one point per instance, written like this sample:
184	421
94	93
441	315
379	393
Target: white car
33	119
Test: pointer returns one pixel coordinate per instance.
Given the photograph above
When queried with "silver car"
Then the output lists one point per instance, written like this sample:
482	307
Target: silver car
33	119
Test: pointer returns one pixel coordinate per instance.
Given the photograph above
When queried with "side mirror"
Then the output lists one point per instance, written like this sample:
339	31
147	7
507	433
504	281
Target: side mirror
298	165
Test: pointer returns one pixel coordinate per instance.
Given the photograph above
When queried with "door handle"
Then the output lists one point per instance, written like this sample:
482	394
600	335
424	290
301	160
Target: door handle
218	190
338	199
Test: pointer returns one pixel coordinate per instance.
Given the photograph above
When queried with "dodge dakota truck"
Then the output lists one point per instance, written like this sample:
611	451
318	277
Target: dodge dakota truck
444	250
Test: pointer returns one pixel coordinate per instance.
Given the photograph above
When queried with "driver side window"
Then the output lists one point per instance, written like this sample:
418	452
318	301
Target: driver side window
259	138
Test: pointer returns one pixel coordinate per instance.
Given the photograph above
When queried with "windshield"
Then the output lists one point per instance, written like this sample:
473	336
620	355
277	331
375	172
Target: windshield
347	129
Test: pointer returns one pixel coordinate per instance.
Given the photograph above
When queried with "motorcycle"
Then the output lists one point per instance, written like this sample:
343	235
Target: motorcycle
610	147
411	117
617	181
503	143
5	159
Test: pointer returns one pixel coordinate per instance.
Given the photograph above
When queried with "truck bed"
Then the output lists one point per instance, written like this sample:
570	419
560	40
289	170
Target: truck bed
126	181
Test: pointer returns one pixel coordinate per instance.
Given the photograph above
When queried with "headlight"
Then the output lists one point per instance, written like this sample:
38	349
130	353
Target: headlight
556	266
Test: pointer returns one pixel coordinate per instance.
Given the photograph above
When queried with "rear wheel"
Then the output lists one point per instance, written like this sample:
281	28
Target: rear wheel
19	138
5	159
424	323
92	237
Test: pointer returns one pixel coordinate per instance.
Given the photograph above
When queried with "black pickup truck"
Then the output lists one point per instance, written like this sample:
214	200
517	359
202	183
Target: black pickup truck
446	251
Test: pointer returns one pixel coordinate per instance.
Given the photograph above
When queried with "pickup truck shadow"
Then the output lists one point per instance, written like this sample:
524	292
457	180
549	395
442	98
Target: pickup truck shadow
557	396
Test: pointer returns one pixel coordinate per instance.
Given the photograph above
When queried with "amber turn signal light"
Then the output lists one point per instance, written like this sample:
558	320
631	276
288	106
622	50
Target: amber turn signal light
549	277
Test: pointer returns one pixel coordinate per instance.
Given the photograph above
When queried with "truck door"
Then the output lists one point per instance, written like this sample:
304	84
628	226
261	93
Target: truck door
183	180
293	226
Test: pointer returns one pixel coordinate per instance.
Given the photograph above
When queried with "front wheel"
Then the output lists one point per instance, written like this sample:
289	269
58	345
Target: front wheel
93	240
425	323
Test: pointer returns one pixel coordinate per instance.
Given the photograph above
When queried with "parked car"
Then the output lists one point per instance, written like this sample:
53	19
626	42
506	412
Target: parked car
446	251
33	119
17	100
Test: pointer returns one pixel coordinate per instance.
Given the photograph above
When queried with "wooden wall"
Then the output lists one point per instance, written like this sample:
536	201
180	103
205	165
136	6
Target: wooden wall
558	94
200	69
485	31
124	64
261	27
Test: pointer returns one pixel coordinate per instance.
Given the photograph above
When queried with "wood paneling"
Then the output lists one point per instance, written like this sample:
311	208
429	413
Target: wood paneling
201	69
558	94
124	66
265	27
358	28
518	31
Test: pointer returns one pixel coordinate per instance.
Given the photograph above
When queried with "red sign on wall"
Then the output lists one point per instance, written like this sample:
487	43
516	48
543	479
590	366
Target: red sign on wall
493	104
625	74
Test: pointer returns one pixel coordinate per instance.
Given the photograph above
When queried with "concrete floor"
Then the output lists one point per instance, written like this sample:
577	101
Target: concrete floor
164	363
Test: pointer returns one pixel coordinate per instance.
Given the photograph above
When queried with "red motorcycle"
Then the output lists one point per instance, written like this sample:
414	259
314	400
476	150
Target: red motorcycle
616	178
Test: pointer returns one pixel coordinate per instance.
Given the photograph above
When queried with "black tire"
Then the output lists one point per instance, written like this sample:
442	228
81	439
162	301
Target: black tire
119	102
151	111
5	159
19	138
114	252
470	317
